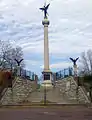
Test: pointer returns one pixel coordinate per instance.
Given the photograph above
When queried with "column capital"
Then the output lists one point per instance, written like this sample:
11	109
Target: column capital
45	22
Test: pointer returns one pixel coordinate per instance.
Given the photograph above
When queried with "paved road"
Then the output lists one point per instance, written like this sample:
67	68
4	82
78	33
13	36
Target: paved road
64	113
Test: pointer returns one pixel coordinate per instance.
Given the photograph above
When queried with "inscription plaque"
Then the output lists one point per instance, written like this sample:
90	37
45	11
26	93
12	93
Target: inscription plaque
46	76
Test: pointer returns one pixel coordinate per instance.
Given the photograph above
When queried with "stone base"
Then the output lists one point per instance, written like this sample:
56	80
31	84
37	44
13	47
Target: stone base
47	78
47	75
47	84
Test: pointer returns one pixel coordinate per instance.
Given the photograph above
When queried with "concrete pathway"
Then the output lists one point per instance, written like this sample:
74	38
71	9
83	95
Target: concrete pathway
53	95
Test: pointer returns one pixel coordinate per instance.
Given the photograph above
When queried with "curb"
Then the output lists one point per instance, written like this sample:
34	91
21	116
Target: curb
45	106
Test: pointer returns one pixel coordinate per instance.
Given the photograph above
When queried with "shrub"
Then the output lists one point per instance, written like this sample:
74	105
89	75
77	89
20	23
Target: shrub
5	78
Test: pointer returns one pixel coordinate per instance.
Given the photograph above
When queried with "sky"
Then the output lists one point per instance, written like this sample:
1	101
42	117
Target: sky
70	30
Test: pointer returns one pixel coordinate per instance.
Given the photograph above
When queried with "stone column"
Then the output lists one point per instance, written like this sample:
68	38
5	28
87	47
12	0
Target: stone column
75	70
76	79
18	70
45	22
47	74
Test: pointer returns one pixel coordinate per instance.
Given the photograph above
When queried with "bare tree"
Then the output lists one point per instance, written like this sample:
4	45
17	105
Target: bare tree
89	55
4	47
8	54
86	62
18	55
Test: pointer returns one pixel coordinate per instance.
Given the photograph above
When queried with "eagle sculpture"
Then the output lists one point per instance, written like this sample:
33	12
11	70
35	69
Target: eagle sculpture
45	8
18	62
74	60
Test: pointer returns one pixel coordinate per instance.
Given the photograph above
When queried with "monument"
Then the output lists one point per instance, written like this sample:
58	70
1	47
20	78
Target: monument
74	65
47	74
18	66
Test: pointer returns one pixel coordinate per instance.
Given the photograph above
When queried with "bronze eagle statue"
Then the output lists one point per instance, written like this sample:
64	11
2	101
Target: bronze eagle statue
18	62
45	8
74	60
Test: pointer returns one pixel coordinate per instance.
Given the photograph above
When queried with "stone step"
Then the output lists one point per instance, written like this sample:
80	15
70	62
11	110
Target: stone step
20	91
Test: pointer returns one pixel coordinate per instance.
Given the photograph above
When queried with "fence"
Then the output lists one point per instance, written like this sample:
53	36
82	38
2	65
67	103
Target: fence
59	75
28	74
64	73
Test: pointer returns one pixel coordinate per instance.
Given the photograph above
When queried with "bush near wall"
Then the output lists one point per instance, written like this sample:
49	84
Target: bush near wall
85	79
5	79
88	79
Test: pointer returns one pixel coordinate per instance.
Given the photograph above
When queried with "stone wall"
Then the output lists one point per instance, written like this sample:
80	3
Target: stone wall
67	90
18	93
68	87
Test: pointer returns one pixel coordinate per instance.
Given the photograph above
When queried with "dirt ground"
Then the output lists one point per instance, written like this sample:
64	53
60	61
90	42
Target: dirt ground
46	113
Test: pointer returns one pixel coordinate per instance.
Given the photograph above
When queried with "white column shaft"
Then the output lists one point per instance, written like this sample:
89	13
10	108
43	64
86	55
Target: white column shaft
46	48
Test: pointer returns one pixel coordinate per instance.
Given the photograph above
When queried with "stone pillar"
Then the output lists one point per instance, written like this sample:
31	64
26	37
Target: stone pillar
76	79
75	70
47	74
18	70
45	22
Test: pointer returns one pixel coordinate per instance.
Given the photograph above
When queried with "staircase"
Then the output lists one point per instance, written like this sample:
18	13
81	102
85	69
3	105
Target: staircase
52	95
19	91
69	89
65	91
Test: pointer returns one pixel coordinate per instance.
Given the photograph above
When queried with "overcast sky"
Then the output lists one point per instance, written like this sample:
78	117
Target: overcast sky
70	30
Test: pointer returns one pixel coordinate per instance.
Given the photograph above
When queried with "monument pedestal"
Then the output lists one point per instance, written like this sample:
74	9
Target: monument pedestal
47	79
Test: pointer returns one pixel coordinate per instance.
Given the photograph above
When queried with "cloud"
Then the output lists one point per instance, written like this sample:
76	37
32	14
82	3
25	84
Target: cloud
31	62
70	29
59	65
